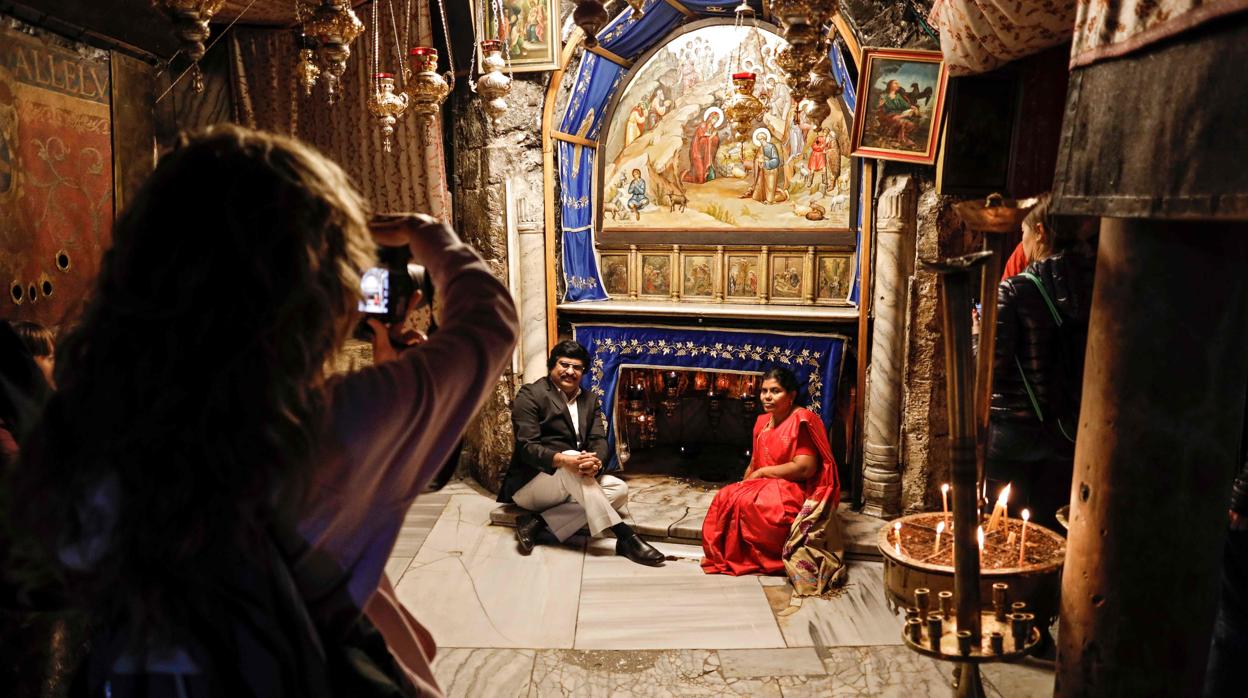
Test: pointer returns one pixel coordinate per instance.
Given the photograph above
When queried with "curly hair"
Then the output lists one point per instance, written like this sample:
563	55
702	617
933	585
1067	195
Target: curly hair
195	379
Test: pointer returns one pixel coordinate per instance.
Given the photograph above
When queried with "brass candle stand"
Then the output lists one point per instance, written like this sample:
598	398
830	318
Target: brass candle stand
958	629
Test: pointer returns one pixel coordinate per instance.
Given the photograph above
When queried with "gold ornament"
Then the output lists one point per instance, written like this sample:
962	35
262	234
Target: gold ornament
591	17
823	87
190	24
637	5
493	85
427	89
334	26
743	108
386	106
306	70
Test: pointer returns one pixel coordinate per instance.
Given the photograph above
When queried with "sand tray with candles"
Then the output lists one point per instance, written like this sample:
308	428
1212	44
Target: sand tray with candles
915	561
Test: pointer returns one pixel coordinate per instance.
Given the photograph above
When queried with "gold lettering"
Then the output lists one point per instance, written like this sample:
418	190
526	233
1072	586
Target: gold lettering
21	67
101	87
53	73
39	76
70	85
82	83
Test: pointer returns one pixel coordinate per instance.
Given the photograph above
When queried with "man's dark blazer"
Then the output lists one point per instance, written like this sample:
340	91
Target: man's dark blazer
543	427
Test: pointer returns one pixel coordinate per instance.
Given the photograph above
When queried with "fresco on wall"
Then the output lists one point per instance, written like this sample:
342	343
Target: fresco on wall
530	41
56	173
673	163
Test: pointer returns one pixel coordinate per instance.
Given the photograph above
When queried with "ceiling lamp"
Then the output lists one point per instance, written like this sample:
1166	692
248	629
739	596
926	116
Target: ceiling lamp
743	108
333	25
493	85
306	70
427	89
190	24
591	17
823	87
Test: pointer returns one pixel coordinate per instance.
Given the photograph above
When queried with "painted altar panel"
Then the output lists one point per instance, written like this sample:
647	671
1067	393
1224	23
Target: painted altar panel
670	161
56	173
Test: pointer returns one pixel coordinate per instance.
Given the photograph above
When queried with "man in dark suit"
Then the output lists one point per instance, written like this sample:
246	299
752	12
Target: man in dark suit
556	469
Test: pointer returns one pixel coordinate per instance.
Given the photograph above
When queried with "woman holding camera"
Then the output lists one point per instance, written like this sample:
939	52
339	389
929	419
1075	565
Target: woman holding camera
206	489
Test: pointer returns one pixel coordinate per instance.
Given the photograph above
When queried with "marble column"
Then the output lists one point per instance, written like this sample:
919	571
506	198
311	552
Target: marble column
896	215
1158	445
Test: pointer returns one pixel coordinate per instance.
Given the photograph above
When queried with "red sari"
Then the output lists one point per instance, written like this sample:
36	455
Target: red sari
748	523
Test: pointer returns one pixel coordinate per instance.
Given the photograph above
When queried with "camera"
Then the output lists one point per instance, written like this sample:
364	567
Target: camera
387	289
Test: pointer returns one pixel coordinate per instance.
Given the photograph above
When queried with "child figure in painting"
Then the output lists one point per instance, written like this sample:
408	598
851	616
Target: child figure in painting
637	194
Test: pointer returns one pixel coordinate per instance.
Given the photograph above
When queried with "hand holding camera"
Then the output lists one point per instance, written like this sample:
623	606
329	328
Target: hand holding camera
396	287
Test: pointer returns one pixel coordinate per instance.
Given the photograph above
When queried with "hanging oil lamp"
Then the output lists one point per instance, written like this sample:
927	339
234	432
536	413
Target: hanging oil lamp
190	24
306	70
493	85
334	26
637	6
427	89
386	106
743	108
823	87
591	17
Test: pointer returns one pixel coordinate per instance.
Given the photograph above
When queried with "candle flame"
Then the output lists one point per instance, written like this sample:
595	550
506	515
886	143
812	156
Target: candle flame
980	533
1004	496
1026	515
944	489
940	528
897	526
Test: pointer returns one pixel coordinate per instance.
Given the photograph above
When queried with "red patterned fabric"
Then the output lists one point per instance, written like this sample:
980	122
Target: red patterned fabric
748	522
1110	28
977	36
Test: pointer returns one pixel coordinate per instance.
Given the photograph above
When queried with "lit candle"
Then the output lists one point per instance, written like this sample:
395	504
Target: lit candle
897	537
999	509
1022	543
944	499
940	528
980	533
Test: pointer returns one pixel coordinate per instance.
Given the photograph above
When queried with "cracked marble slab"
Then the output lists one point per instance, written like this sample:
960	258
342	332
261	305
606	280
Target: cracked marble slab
471	587
1030	678
859	616
470	673
629	606
872	672
794	661
643	674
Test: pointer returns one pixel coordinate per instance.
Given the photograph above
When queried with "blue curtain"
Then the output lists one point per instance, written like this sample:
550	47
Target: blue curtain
814	358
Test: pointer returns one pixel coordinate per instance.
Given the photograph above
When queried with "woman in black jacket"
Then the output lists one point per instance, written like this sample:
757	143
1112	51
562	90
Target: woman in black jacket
1042	319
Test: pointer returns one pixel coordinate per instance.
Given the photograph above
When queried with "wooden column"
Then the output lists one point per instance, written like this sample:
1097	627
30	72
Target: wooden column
1160	426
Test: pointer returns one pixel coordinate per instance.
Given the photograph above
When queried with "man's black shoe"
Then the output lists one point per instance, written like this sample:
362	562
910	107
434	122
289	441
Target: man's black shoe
637	550
528	527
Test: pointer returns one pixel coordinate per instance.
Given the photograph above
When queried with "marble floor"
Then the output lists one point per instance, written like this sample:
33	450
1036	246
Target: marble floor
576	620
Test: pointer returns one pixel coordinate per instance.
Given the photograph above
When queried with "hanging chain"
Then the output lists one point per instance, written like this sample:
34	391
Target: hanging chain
498	14
450	51
376	12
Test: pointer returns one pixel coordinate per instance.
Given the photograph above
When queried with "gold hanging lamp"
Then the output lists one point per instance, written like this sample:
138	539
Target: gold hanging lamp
307	73
334	25
591	16
190	24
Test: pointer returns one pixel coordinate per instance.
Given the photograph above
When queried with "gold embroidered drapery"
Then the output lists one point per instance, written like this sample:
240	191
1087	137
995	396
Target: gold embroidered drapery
267	96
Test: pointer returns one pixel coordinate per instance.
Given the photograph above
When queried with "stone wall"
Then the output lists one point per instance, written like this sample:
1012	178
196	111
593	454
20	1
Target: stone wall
924	419
486	157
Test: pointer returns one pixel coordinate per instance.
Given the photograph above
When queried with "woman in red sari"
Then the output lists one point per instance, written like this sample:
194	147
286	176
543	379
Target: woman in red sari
748	523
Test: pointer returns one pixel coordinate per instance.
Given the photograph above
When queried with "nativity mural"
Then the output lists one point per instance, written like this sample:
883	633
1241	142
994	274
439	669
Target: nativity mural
670	160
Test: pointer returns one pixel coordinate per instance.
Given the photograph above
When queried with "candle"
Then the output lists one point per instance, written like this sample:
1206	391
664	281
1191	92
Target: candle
944	499
999	509
980	534
897	537
1022	543
940	528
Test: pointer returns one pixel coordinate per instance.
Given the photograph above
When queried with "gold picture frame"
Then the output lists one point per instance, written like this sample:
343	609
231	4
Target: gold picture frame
786	277
742	280
616	275
900	105
698	279
530	38
655	274
834	278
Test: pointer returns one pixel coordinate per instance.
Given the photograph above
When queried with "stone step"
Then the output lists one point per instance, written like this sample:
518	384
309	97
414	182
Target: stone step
859	530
